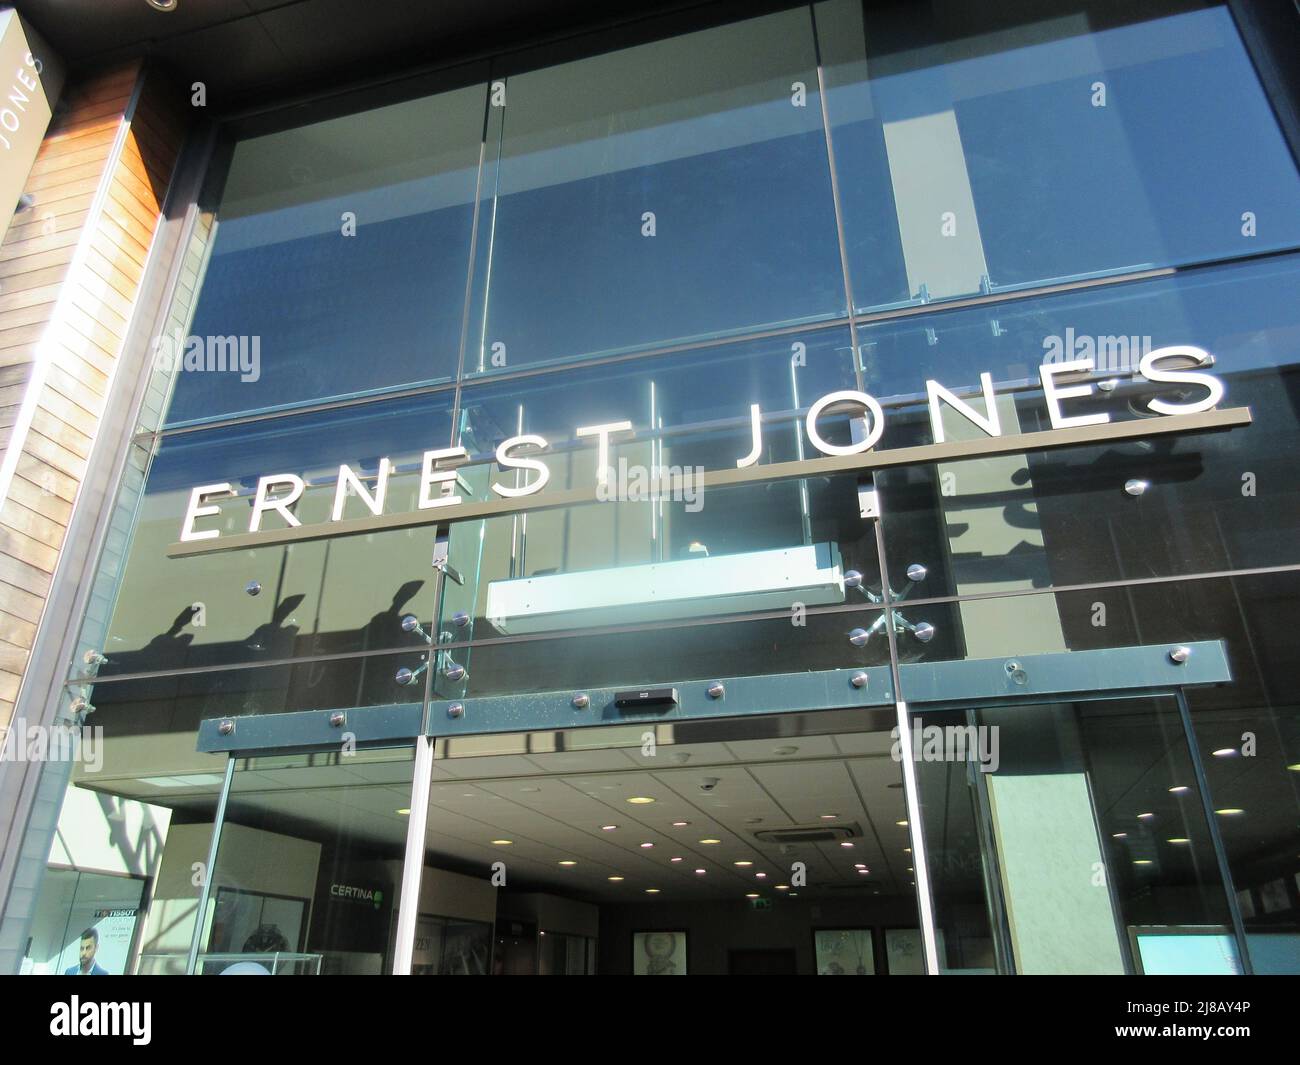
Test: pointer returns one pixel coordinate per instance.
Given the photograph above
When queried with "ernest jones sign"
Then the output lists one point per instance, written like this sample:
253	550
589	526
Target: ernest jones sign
438	502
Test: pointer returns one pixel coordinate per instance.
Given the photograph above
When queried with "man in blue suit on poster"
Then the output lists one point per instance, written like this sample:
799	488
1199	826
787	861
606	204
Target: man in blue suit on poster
88	966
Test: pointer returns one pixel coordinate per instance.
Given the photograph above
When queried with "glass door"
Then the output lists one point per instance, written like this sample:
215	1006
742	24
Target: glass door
1072	837
309	860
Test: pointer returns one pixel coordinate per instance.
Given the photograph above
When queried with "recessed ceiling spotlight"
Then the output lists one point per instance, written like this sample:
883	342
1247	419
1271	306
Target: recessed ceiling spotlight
647	846
163	5
907	850
863	872
901	824
846	843
680	824
404	812
615	879
761	876
1180	839
782	887
743	864
1225	752
710	841
1231	811
699	872
674	859
1146	816
829	817
652	891
568	861
1119	835
608	828
1142	861
752	895
859	865
1178	789
640	800
502	842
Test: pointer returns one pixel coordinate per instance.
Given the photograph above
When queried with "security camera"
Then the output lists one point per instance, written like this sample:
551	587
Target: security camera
708	783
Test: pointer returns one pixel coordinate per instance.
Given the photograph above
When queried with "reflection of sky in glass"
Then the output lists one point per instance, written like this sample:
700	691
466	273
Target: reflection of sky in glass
700	130
1242	314
310	443
1062	189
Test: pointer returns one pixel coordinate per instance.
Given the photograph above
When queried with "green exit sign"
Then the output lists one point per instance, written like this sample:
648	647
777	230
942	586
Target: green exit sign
760	904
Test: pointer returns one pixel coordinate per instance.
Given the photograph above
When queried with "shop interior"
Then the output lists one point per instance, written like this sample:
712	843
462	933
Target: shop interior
767	845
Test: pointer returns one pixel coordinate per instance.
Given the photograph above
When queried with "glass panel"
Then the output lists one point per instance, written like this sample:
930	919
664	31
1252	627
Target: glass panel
1247	731
309	866
131	805
86	924
340	260
695	404
1163	613
982	150
1080	829
1252	761
189	698
658	547
966	923
670	653
326	597
674	190
783	546
1212	501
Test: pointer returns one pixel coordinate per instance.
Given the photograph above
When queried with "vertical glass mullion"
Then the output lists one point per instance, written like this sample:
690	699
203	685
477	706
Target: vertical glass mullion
1003	952
1216	838
213	844
408	910
467	331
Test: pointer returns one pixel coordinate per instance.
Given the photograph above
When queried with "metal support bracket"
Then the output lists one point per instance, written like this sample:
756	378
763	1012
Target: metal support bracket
1114	672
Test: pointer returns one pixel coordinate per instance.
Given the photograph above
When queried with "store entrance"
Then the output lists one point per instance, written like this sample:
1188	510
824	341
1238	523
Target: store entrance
768	844
711	847
1020	820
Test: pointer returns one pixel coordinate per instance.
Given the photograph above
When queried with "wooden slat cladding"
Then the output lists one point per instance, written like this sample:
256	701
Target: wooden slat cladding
70	268
80	137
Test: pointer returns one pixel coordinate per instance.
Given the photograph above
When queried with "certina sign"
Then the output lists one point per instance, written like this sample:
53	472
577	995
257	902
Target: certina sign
438	501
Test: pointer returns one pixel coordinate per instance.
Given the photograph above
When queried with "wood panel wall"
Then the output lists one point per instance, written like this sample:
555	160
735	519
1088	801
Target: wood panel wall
70	269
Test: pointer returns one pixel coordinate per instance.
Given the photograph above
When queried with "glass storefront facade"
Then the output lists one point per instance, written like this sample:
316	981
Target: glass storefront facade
666	235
